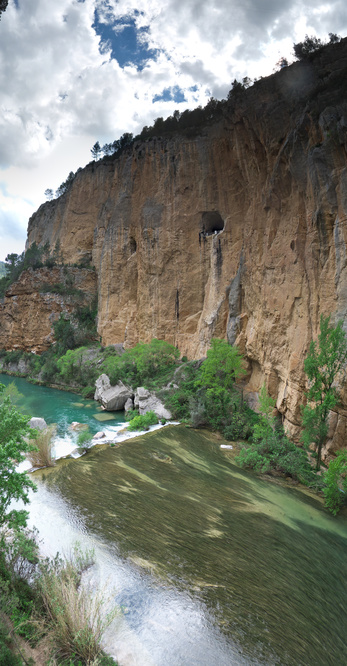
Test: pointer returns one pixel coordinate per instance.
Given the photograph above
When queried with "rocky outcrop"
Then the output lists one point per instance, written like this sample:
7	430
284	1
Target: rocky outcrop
112	398
237	232
38	423
102	384
145	401
31	306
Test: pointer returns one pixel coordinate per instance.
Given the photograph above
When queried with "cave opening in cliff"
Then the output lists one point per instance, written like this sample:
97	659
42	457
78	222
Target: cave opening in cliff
133	245
211	223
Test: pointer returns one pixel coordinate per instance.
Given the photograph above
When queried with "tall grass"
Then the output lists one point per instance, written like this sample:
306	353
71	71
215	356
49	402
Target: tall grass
41	456
76	617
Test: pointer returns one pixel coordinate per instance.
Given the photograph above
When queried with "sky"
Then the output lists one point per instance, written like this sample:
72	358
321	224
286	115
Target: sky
76	71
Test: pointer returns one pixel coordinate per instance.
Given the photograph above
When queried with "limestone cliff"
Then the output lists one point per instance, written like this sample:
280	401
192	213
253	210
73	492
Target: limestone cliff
238	232
28	312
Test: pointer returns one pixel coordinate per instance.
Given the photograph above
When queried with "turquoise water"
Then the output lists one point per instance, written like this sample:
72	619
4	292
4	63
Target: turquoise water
212	565
61	407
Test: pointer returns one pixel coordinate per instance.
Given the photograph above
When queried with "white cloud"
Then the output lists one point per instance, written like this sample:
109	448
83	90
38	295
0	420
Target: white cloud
60	91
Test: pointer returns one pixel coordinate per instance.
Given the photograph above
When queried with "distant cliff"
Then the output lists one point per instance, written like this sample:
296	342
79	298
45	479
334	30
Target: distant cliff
238	232
33	304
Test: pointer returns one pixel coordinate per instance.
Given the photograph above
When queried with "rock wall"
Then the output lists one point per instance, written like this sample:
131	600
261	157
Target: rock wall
27	314
239	232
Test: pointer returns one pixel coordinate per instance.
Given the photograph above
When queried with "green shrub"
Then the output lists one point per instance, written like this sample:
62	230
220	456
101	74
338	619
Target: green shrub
335	479
144	365
277	453
88	391
7	656
130	415
143	422
241	424
84	439
179	400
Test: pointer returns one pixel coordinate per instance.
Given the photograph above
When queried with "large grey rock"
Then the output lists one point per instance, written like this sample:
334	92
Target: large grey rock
102	384
145	401
129	405
37	423
114	398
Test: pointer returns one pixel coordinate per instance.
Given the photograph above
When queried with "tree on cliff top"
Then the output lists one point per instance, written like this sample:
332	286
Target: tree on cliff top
323	365
3	5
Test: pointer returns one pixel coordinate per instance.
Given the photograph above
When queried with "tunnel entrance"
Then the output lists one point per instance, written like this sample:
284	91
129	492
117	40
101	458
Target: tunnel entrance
211	223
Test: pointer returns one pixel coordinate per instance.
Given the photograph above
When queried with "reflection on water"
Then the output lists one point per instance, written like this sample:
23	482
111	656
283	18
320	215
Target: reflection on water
212	565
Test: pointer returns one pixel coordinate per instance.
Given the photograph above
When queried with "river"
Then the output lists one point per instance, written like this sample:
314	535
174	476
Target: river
211	566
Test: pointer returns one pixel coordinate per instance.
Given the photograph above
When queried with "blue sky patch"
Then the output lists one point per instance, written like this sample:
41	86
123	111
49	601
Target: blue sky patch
173	94
124	40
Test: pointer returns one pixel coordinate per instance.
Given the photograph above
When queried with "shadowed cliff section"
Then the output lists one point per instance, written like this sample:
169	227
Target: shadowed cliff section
240	230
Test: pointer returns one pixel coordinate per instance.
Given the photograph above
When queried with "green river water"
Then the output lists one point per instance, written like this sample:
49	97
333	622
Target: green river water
212	565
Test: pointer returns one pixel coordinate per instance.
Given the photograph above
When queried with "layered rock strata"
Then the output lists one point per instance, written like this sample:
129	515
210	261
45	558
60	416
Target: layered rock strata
239	232
28	313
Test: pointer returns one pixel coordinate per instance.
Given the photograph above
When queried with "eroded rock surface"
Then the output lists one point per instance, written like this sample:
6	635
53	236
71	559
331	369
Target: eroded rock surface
28	313
146	401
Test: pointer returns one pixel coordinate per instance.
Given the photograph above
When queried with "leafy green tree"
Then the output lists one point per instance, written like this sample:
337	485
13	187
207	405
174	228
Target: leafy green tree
14	485
335	478
323	366
265	426
222	367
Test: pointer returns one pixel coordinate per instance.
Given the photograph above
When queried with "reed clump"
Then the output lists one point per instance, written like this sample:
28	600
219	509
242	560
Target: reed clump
41	454
76	616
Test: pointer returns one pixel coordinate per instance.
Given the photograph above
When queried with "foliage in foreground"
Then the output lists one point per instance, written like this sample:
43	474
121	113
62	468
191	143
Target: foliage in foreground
75	618
47	599
14	485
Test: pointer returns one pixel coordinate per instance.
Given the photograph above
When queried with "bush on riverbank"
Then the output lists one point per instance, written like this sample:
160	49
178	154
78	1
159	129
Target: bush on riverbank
143	421
270	450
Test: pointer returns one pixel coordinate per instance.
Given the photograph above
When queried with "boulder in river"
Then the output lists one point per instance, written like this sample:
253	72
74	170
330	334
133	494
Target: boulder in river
102	384
112	398
37	423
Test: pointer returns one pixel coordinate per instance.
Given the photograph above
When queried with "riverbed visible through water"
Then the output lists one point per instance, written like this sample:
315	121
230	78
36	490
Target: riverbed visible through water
210	565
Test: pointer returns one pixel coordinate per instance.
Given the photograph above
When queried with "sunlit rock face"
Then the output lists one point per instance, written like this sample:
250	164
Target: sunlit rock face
28	313
239	232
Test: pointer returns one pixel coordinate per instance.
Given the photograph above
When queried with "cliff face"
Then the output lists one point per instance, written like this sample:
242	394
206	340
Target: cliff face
27	314
239	232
